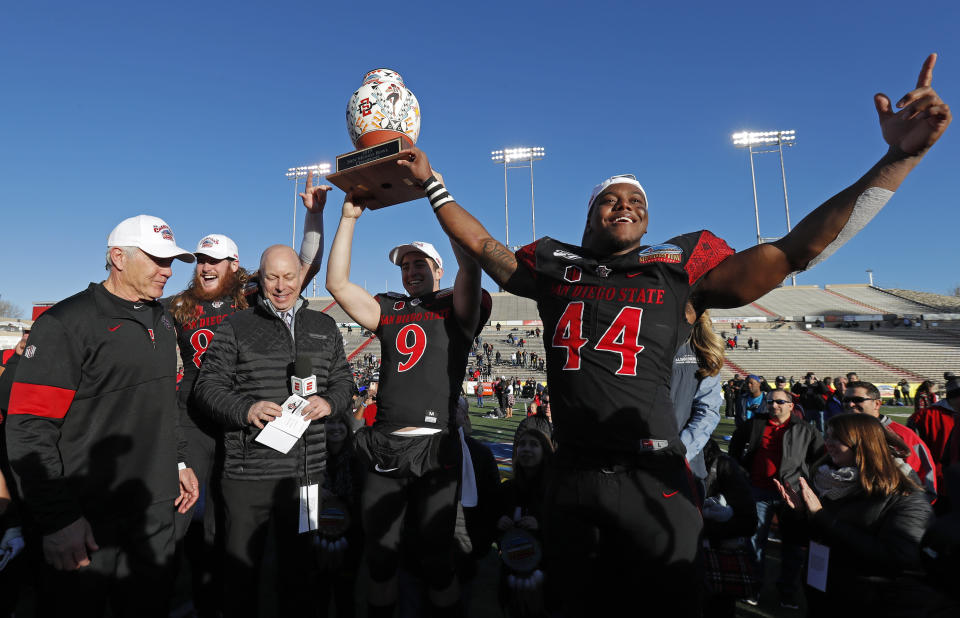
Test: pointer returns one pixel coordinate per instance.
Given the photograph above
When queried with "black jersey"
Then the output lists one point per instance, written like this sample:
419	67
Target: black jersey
611	329
195	336
423	359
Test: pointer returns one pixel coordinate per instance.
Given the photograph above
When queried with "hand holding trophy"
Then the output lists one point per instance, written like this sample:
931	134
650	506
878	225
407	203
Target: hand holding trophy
383	119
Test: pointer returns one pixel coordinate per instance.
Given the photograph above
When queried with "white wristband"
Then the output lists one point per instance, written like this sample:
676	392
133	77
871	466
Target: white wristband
436	193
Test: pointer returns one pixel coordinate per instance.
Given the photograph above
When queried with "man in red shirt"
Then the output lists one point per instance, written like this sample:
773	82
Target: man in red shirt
776	446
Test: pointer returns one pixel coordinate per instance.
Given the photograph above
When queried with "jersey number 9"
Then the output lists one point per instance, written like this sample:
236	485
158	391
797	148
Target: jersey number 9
200	341
412	349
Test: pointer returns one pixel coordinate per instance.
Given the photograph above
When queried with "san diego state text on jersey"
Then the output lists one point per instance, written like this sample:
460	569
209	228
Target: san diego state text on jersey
611	331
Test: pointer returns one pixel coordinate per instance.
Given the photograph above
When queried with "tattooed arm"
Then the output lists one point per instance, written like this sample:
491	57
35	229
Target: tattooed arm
464	229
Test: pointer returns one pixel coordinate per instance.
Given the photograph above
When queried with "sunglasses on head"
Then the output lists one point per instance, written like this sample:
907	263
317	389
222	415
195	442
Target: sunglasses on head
858	400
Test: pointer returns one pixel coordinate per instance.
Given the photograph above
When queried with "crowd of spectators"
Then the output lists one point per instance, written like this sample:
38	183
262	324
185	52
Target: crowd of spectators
852	489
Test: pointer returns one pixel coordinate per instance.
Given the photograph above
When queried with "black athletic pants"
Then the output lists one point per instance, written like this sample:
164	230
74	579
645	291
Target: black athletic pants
249	508
623	537
131	572
423	509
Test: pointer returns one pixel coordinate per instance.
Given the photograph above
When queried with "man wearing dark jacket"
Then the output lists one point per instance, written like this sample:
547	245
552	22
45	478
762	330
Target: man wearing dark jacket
93	438
777	446
244	378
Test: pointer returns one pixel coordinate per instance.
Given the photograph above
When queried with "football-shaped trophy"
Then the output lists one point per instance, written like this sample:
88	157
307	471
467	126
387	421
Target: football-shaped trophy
383	118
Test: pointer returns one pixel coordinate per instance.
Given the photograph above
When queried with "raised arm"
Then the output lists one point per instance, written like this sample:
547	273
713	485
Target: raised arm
311	247
466	291
910	132
464	229
357	302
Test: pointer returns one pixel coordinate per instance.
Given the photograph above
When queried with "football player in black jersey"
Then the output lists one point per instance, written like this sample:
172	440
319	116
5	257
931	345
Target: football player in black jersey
624	528
220	287
412	450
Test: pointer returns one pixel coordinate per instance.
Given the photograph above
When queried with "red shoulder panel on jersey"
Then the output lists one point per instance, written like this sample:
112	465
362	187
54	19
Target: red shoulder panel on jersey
40	400
527	256
8	354
709	252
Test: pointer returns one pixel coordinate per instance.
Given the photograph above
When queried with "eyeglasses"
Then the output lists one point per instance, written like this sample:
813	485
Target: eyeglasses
858	400
780	402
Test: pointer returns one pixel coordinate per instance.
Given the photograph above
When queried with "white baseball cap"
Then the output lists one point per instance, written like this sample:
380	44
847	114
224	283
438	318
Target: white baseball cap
629	179
397	253
151	234
218	247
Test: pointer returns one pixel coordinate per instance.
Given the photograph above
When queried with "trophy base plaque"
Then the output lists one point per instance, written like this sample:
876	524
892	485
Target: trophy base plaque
374	177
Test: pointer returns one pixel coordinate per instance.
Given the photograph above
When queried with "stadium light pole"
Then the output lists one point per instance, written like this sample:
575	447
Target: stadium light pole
518	158
295	174
767	139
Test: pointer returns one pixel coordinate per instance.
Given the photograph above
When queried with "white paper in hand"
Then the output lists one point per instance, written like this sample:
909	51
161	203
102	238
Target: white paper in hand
283	432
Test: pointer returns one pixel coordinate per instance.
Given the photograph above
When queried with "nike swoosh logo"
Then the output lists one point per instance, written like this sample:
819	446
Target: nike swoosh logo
671	494
115	327
379	469
631	275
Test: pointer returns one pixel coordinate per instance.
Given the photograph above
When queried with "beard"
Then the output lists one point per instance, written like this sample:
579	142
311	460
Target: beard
225	287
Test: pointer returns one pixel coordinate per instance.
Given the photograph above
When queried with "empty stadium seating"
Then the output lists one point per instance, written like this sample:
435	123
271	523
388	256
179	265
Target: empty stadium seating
793	352
877	298
937	302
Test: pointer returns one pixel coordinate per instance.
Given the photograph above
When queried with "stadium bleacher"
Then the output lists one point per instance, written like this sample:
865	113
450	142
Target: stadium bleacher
875	297
937	302
807	300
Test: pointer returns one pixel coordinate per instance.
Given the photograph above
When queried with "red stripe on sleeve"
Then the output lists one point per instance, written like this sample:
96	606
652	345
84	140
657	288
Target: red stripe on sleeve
709	252
8	354
527	256
40	400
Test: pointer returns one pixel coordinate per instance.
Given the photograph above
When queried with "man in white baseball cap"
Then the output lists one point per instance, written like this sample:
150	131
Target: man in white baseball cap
94	435
397	253
151	234
140	251
426	335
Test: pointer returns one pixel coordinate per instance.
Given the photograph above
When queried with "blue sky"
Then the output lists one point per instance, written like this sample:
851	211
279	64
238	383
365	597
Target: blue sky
193	112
